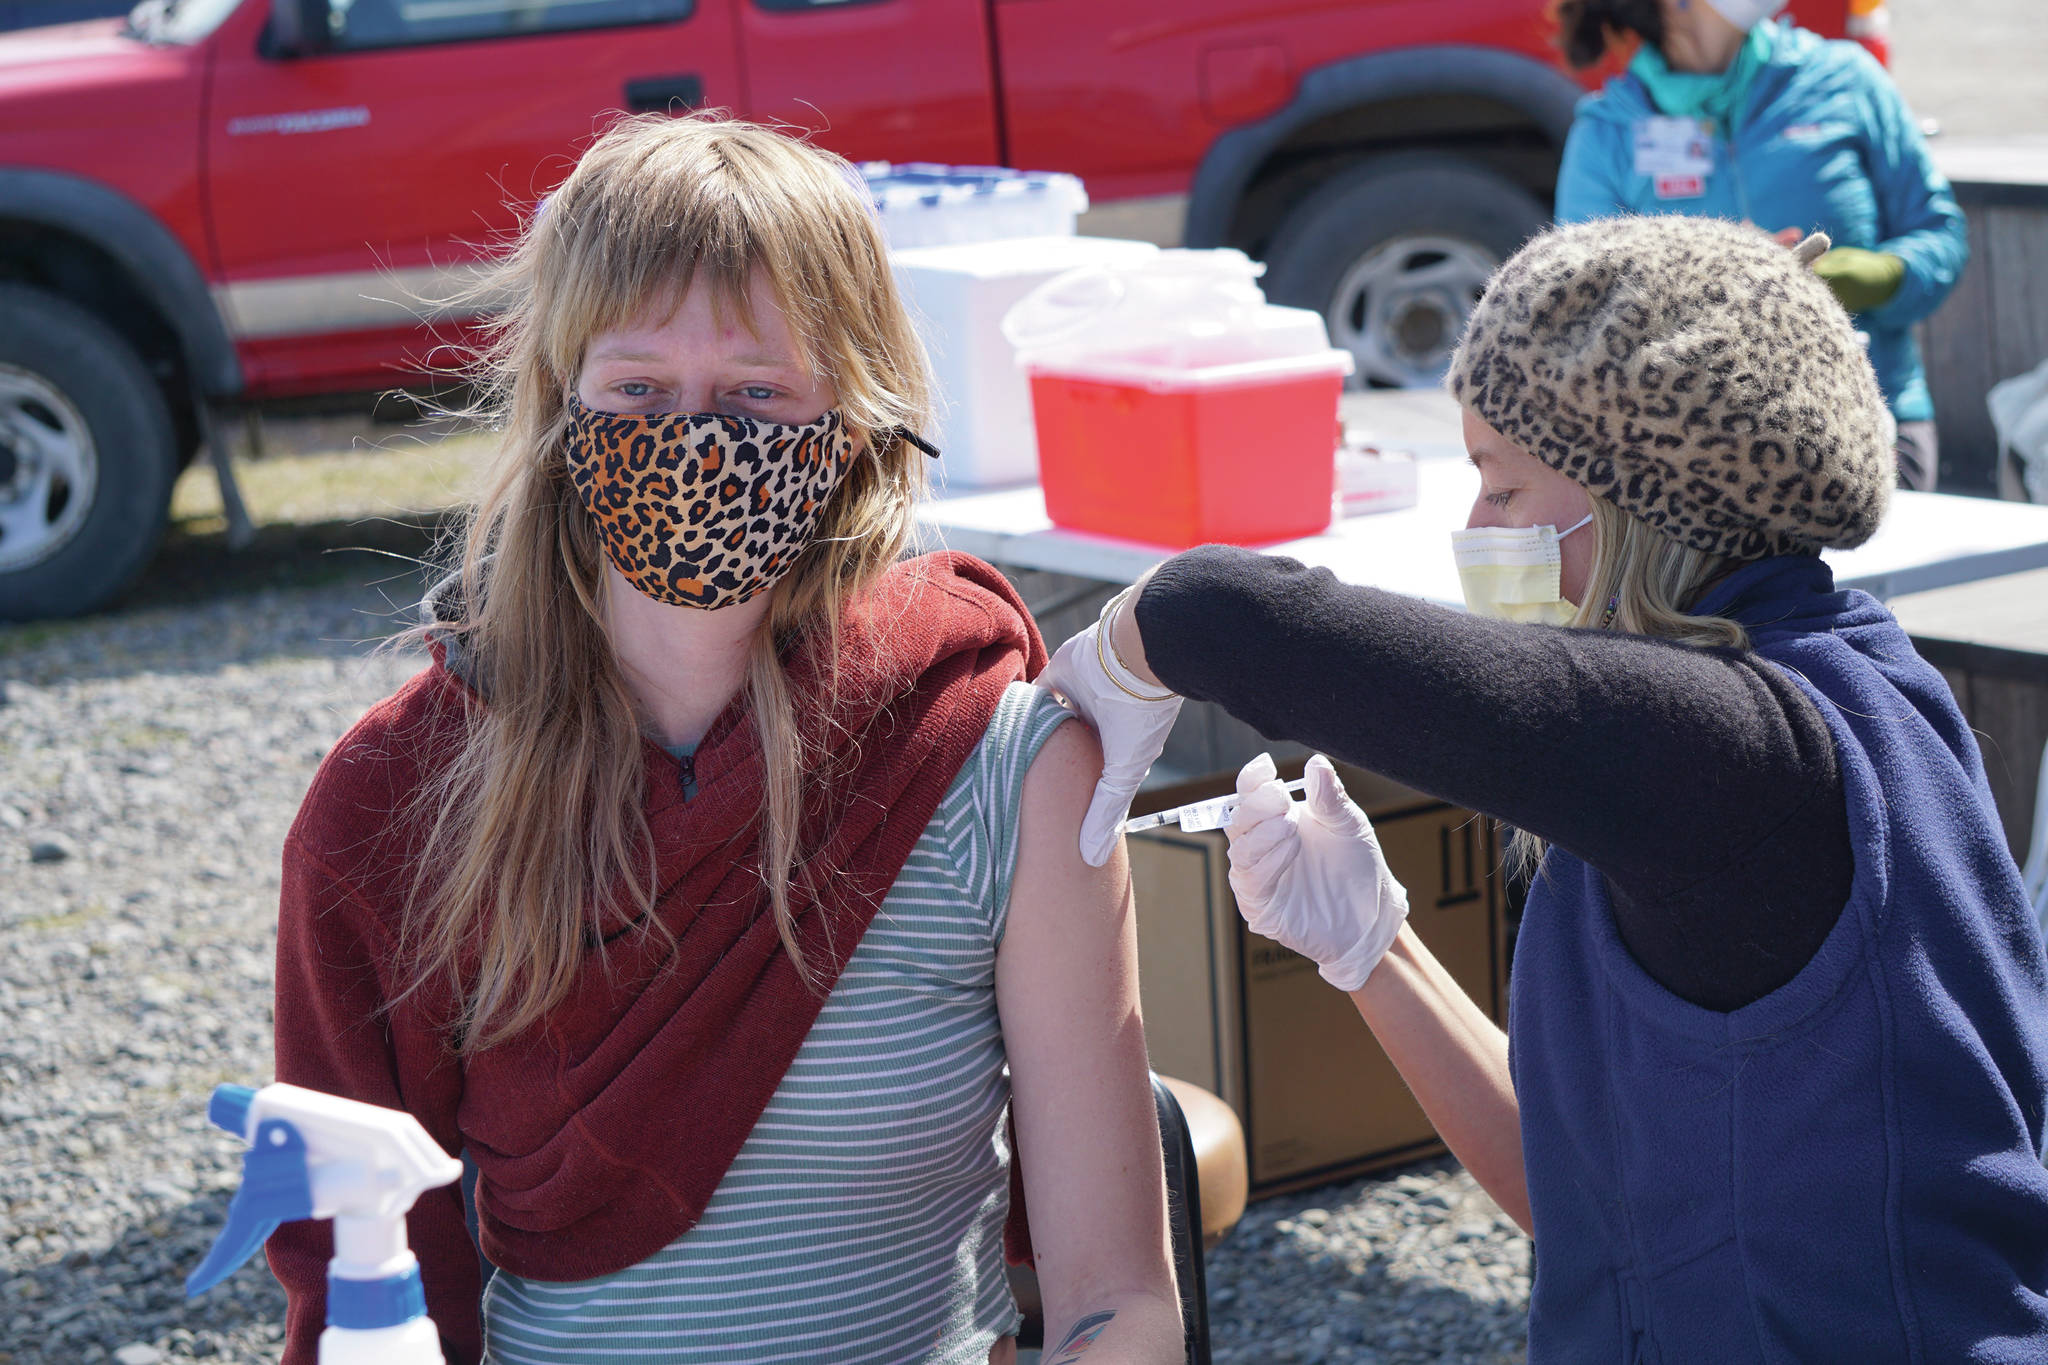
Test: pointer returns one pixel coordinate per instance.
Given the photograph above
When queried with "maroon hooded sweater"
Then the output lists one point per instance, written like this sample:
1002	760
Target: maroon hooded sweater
601	1134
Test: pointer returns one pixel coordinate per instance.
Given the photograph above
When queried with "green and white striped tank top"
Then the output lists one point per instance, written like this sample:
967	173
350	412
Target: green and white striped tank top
863	1219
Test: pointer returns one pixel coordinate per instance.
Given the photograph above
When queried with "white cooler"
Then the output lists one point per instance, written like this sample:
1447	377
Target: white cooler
958	296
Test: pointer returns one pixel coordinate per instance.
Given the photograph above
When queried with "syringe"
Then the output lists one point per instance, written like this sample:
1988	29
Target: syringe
1198	816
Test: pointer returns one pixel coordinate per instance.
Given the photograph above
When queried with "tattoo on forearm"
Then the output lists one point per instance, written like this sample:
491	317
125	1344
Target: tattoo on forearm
1079	1339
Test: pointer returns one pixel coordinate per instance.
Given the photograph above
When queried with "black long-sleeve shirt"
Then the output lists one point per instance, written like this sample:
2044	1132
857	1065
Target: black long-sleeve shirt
1702	783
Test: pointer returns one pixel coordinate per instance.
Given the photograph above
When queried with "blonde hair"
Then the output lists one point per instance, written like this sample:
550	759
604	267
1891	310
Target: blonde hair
1651	579
537	819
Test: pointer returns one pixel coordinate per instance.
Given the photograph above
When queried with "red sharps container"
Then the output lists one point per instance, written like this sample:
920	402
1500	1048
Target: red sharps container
1174	405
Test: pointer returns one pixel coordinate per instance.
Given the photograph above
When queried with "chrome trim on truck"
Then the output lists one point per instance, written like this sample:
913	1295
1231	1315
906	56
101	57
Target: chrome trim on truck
347	301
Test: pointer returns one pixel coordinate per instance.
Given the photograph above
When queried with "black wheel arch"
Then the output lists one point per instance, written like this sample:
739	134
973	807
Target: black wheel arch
1238	162
50	222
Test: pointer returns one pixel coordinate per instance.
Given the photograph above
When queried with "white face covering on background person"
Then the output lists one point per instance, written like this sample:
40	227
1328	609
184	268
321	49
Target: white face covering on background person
1514	572
1745	14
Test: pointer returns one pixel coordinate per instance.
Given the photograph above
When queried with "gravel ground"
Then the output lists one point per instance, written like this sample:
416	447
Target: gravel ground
1401	1268
149	765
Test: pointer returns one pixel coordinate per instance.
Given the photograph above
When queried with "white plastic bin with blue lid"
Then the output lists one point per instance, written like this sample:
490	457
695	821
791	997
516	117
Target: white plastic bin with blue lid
922	204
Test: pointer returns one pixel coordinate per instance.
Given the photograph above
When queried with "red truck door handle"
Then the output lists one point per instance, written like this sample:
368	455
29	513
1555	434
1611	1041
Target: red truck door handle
664	94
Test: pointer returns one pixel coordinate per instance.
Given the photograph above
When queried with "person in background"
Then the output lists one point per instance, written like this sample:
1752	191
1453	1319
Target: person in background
1726	112
1778	1084
715	888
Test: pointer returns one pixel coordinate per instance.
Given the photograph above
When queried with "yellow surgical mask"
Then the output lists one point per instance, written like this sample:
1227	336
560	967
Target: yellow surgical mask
1514	572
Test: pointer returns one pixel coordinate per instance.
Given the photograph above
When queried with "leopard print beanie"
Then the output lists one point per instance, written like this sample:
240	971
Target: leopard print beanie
1691	371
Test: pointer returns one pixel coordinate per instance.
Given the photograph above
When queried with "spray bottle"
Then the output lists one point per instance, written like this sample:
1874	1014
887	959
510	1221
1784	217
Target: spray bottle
313	1155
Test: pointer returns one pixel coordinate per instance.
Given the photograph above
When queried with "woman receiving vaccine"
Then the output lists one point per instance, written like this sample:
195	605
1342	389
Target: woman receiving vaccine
1774	1081
714	888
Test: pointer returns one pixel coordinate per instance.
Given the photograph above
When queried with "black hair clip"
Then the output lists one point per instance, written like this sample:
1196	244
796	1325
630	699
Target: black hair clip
920	442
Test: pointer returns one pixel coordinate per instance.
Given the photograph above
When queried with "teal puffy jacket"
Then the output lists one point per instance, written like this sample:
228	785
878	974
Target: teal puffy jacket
1821	142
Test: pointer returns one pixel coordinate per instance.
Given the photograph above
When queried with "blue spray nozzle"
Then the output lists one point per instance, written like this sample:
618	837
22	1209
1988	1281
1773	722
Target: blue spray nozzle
277	1187
369	1164
229	1108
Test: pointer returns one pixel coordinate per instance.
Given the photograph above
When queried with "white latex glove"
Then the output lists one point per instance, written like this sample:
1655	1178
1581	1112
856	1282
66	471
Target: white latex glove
1132	732
1310	876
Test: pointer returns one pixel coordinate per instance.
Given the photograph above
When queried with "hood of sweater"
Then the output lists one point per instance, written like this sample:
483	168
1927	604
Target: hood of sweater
442	606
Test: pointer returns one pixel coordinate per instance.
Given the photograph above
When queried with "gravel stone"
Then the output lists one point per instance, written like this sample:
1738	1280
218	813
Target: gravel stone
166	752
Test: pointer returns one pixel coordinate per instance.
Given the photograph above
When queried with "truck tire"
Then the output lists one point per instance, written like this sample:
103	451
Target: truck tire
87	456
1394	252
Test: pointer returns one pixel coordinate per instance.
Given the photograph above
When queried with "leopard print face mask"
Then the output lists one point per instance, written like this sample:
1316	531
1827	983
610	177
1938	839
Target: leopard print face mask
702	510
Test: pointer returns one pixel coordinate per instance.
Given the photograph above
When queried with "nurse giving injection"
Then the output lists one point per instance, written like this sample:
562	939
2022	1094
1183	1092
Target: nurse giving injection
1780	1030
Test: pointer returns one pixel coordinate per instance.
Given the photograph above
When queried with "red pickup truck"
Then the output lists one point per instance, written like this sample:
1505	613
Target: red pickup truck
221	203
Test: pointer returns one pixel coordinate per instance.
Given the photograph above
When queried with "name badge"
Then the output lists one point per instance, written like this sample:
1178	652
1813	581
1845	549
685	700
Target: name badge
1674	150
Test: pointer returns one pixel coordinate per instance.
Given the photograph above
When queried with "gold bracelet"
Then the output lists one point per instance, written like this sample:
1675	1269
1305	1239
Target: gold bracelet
1102	628
1116	607
1110	610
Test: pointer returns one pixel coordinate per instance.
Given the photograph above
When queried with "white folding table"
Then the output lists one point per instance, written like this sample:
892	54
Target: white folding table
1927	540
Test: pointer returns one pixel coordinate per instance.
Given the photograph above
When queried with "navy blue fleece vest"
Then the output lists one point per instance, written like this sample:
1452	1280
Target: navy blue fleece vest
1847	1169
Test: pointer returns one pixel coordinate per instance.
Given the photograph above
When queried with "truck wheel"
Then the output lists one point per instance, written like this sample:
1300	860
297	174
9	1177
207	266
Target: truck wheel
86	458
1394	252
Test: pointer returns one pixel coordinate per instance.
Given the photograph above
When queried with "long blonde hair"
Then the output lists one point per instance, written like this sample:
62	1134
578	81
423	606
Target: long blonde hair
1651	579
537	819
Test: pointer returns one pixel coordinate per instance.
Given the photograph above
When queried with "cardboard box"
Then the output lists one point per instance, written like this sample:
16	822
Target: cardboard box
1241	1016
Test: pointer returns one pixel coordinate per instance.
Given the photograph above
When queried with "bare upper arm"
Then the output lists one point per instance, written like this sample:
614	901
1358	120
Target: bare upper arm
1067	990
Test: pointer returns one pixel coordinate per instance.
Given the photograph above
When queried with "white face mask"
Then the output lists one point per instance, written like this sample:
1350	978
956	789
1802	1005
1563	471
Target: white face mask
1514	572
1745	14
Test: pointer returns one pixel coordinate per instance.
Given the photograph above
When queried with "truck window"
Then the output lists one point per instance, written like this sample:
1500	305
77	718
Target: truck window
359	24
186	22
